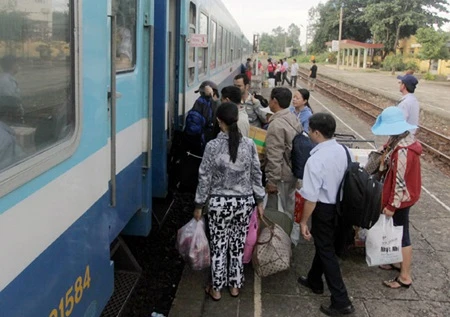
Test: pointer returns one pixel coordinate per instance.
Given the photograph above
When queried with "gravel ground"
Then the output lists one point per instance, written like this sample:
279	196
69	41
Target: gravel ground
161	264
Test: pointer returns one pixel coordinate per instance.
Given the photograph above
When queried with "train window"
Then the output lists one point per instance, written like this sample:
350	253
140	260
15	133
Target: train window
125	11
225	45
219	45
231	41
212	54
191	50
202	52
37	106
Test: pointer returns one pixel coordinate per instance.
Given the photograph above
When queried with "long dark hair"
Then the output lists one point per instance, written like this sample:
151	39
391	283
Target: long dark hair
228	113
305	95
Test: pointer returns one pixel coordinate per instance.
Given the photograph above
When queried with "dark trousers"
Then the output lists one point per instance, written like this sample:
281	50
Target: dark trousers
294	81
284	76
325	260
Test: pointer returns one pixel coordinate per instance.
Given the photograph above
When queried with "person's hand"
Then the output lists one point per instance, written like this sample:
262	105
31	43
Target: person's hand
208	91
271	188
387	212
305	231
197	213
260	210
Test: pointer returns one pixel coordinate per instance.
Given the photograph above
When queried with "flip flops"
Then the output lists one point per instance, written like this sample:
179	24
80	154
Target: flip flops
396	280
210	291
389	267
234	291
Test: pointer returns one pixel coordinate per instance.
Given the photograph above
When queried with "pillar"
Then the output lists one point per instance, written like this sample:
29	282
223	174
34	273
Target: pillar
365	58
359	58
353	57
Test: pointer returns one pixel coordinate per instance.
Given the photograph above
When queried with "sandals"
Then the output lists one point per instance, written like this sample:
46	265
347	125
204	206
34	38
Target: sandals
215	295
389	267
396	280
234	291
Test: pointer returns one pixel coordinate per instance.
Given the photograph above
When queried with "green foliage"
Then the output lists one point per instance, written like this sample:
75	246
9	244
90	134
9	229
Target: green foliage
279	39
433	44
390	20
429	76
412	65
326	25
394	62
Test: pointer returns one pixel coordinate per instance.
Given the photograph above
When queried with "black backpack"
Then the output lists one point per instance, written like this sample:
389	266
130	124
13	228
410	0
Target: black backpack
361	197
301	146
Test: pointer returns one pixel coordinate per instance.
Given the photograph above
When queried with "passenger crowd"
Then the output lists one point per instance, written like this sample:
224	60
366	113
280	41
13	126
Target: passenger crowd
232	180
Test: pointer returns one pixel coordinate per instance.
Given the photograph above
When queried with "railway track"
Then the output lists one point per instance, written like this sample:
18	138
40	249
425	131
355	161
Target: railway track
433	142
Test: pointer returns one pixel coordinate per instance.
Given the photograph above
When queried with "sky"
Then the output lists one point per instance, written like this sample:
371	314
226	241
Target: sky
258	16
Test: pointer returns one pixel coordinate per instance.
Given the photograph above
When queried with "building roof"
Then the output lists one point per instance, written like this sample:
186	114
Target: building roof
356	44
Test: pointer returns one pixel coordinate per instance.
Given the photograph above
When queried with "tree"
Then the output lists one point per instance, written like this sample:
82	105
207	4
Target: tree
293	36
434	44
390	20
326	26
267	43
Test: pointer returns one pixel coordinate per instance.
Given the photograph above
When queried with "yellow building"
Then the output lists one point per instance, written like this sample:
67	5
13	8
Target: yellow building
409	48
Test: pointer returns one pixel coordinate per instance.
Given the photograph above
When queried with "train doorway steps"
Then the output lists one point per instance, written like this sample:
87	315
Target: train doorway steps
126	275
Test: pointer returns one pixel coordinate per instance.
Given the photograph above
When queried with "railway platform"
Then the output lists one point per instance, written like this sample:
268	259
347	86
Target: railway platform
281	295
432	95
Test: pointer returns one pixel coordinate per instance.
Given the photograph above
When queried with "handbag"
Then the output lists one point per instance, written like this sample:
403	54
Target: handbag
373	162
252	236
272	253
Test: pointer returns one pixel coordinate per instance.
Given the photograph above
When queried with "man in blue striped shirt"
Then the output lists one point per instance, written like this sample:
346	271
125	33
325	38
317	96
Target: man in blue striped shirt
324	171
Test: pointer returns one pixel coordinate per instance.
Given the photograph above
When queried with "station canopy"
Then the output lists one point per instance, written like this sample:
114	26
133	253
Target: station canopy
350	44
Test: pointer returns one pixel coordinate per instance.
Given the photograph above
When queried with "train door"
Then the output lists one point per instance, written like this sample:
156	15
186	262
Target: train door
128	103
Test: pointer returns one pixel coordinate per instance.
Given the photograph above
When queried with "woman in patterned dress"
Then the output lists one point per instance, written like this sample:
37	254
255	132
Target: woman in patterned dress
230	182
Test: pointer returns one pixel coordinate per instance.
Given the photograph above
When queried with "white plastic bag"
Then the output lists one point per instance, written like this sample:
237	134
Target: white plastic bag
384	242
295	233
193	244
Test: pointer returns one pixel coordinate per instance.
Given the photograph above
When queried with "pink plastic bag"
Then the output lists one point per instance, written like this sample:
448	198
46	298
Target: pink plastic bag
252	237
193	244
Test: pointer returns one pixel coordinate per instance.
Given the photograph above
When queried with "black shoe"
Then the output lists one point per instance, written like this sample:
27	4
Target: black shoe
304	281
331	311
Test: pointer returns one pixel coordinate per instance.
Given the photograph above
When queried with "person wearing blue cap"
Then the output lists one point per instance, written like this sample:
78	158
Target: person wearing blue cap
400	170
409	103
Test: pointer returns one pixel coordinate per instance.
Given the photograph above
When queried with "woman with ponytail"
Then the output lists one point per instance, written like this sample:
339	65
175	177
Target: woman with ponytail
230	183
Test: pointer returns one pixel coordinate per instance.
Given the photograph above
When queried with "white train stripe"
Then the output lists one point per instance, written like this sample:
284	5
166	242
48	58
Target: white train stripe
31	226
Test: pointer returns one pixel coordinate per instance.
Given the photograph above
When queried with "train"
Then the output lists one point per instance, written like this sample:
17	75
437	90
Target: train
91	94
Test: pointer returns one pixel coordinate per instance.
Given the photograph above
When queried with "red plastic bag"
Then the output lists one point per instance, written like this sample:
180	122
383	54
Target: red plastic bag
252	237
193	244
299	205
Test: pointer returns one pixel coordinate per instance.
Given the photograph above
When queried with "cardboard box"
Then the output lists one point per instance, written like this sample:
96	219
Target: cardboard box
259	137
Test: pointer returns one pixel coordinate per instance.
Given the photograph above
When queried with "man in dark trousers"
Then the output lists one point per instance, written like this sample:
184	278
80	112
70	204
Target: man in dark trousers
324	171
312	76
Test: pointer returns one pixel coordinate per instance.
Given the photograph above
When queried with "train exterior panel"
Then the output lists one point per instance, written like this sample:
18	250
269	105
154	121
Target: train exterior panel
93	143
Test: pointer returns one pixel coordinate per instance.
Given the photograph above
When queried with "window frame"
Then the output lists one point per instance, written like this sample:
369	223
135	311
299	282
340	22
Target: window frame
191	26
205	50
17	175
134	62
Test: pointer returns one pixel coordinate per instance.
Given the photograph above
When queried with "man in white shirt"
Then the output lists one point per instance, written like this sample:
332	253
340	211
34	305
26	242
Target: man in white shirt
324	171
409	103
294	73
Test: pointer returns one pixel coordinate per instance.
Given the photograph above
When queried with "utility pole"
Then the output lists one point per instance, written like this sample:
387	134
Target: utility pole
340	35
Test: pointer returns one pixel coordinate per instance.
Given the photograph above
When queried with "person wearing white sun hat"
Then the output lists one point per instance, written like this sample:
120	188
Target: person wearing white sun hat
400	170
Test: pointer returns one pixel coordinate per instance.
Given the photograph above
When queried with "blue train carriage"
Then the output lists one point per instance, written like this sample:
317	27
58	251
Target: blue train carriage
90	92
74	173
